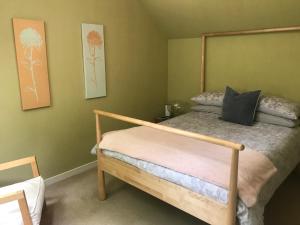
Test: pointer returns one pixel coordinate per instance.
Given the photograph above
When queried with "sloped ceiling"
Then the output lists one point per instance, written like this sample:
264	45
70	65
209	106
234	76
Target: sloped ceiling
190	18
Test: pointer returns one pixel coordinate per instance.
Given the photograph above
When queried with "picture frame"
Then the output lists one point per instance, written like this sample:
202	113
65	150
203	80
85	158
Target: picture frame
31	53
94	60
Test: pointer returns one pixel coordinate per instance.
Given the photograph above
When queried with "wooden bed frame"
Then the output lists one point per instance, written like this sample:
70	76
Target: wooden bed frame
204	208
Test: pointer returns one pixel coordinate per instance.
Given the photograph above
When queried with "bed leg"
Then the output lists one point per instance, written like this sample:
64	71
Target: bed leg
232	196
101	178
101	185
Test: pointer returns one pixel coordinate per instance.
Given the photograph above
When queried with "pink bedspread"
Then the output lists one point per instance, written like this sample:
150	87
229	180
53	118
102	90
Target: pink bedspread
196	158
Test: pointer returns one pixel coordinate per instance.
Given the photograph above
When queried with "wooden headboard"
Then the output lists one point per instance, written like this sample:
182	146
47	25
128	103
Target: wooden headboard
272	88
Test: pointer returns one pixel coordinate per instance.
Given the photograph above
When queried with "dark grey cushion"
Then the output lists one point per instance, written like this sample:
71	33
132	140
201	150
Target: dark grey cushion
240	108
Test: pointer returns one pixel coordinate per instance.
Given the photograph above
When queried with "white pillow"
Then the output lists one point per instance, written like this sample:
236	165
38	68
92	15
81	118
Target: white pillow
214	98
277	106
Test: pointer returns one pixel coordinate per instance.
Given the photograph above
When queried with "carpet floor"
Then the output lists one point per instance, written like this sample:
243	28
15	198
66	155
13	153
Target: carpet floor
74	202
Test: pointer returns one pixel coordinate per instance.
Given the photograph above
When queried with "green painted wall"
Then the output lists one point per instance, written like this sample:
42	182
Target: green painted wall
269	62
183	68
62	135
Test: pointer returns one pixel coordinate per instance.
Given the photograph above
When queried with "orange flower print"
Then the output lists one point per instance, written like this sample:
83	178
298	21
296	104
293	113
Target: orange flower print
94	41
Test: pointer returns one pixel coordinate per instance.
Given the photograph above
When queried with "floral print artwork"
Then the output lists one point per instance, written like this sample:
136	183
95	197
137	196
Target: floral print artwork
32	63
94	63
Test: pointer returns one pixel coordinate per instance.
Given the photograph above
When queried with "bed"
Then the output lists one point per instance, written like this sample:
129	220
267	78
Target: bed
206	200
279	144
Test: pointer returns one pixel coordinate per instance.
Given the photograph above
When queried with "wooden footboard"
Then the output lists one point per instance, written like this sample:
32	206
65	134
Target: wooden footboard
204	208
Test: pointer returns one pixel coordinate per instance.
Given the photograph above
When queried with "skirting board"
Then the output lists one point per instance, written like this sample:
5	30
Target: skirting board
70	173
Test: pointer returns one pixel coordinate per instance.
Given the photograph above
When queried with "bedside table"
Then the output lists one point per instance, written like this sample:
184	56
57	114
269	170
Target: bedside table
162	118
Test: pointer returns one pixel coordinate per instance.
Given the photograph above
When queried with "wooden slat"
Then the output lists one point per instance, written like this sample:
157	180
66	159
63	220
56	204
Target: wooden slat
228	144
21	198
98	129
27	220
195	204
20	162
11	197
34	168
258	31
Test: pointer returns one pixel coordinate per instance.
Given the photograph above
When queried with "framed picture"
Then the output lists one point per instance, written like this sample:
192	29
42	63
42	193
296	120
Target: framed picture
94	60
31	54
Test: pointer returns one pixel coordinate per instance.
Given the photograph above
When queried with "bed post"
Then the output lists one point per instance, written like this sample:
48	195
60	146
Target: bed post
232	195
101	179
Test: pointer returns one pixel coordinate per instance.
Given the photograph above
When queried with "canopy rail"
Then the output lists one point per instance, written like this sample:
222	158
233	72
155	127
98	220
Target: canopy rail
205	36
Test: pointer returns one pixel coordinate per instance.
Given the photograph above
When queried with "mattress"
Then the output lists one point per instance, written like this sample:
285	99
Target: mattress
280	144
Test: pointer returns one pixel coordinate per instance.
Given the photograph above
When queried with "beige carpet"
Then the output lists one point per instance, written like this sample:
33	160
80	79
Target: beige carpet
74	202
